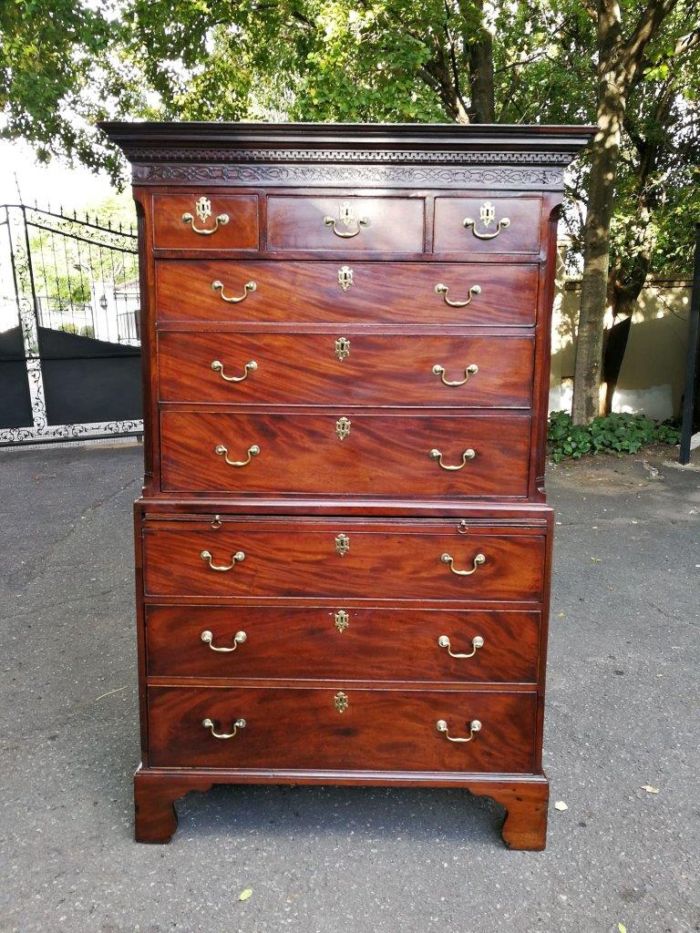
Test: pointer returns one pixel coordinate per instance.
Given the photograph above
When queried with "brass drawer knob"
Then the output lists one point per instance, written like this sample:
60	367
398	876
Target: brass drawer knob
208	639
211	726
232	300
478	561
439	370
487	215
222	451
218	367
202	209
474	727
468	454
441	289
444	642
222	568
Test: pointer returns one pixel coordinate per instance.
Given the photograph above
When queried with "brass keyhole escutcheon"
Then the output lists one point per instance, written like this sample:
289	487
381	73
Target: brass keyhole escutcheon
341	701
342	428
342	348
342	544
345	277
342	620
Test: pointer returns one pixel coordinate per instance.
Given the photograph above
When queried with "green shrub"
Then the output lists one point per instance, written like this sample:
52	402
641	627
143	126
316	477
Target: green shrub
614	432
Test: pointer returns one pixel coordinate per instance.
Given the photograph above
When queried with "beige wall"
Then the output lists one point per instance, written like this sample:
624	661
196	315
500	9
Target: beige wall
653	369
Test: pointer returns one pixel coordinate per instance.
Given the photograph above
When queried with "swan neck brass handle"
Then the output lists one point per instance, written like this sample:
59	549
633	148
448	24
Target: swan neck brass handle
474	727
222	568
477	642
211	726
249	367
232	300
468	454
501	225
219	221
346	218
208	639
222	451
478	561
441	289
439	370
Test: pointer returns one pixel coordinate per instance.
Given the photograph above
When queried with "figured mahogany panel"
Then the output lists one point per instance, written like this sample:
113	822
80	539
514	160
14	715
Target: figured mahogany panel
311	292
239	231
321	643
382	455
300	559
501	225
377	729
345	225
359	368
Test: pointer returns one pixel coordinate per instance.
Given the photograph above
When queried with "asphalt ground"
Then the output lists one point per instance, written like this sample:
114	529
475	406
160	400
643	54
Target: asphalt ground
621	716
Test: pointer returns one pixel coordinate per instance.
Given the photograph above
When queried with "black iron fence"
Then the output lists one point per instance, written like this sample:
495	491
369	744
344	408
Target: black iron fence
69	326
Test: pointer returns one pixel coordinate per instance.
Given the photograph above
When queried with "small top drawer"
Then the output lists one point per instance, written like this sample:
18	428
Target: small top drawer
469	226
345	225
197	221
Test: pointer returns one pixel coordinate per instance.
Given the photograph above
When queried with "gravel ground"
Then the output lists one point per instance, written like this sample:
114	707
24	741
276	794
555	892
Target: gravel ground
622	714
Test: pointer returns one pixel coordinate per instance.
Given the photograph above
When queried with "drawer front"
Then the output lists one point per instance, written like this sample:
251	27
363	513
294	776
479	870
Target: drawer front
306	559
345	225
473	226
200	220
265	292
315	454
362	644
383	730
360	369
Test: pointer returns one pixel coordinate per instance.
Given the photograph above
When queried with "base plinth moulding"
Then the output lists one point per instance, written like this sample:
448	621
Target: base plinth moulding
525	798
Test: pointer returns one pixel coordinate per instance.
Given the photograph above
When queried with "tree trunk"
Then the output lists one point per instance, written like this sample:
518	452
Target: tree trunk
596	234
618	66
481	83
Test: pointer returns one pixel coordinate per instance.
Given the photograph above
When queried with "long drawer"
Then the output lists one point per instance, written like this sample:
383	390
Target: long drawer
365	454
366	560
323	643
359	368
265	292
340	728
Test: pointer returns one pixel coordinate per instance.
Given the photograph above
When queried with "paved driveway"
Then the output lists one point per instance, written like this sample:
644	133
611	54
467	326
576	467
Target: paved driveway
622	713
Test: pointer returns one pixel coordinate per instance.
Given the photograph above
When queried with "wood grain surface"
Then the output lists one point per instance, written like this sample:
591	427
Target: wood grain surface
298	292
292	559
171	232
319	643
358	368
383	455
302	728
394	224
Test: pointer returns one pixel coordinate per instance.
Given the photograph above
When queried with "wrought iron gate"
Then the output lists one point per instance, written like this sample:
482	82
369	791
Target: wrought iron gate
69	327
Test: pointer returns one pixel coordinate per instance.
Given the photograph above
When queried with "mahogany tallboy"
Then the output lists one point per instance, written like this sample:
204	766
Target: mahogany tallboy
343	549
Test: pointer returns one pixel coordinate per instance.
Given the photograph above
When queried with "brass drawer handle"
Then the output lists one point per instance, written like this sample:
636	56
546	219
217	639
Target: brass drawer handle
249	367
222	451
474	727
208	639
211	726
444	642
478	561
346	218
468	454
439	370
247	288
222	568
487	215
441	289
202	209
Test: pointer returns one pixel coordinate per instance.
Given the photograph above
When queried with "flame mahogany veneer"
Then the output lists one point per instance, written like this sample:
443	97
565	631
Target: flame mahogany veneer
343	550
